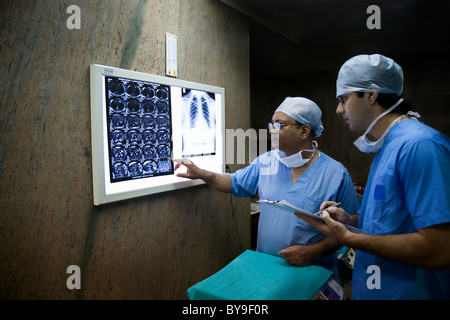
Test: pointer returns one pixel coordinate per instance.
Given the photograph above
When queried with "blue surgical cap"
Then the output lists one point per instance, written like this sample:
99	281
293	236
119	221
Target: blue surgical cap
304	111
370	73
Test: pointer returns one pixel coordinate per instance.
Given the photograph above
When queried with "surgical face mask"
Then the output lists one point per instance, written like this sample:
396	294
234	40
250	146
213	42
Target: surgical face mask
296	160
366	146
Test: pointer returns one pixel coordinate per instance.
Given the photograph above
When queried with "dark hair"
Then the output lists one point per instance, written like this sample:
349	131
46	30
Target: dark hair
387	100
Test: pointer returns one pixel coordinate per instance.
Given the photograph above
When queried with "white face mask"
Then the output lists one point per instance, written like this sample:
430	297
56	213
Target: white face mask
296	160
366	146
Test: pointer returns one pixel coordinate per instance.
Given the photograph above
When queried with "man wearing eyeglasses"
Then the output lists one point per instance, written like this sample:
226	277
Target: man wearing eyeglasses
295	171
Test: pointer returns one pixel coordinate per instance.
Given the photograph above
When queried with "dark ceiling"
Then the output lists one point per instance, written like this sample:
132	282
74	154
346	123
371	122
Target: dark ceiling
302	36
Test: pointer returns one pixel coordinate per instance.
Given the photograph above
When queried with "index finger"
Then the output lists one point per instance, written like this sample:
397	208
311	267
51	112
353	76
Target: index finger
326	204
177	163
183	161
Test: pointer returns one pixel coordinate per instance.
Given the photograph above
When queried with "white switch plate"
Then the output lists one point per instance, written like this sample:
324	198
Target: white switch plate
171	55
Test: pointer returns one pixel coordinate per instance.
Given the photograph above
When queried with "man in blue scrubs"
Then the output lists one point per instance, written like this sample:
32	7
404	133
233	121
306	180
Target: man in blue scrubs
406	206
295	171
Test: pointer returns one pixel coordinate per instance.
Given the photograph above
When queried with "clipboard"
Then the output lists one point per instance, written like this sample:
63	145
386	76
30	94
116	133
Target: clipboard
291	208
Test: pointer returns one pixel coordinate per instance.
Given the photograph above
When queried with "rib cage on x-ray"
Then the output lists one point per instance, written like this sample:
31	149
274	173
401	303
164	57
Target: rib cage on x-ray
198	123
205	111
194	111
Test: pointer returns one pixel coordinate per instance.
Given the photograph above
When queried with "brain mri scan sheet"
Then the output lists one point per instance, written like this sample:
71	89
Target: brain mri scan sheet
139	129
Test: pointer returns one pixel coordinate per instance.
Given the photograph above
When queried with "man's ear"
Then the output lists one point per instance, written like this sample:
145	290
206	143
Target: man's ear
306	131
373	97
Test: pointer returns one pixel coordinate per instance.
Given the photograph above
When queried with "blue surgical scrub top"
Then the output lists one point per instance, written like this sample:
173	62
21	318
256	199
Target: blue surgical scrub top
408	189
326	179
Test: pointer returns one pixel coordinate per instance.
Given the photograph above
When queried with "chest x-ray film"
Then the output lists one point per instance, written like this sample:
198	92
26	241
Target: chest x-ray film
141	121
198	123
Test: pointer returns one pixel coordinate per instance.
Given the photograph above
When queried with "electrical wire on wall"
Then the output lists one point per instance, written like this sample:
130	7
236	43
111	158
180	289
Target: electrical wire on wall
232	213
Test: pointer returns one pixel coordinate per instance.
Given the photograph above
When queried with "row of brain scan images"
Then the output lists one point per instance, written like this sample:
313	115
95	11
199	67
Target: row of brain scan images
139	129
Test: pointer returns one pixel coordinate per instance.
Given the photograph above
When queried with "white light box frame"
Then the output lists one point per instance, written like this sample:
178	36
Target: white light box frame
140	121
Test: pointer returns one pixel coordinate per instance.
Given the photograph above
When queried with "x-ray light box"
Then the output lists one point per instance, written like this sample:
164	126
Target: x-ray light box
140	121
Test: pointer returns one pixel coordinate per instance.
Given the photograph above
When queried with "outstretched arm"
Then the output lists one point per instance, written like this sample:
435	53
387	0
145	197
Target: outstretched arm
218	181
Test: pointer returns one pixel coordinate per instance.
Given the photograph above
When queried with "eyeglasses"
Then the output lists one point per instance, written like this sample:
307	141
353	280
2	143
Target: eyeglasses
342	99
278	126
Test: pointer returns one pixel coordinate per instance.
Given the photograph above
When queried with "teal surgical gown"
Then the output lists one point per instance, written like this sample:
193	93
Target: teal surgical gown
326	179
408	189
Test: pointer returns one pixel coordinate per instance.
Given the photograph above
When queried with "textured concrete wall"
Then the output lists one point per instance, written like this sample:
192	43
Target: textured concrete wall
152	247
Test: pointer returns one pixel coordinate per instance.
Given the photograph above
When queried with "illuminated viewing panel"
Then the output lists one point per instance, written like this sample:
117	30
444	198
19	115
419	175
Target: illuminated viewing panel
141	121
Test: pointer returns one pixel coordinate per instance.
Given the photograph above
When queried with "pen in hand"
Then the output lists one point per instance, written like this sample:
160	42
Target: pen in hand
319	213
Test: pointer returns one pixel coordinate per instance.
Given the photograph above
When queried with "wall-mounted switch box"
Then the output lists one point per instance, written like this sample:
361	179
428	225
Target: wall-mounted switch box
171	55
